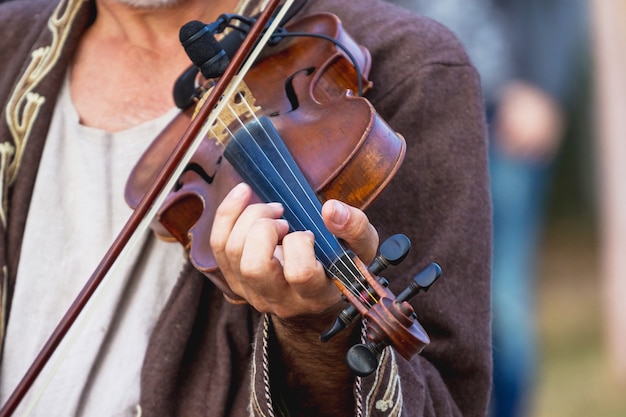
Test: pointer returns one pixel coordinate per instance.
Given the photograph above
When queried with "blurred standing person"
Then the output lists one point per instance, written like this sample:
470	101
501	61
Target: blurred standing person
524	51
609	48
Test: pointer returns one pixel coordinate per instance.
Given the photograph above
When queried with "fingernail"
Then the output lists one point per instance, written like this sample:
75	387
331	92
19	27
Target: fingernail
238	190
340	214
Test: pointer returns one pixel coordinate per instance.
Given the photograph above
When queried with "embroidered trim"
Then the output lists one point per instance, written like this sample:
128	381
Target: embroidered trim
255	406
3	302
385	396
251	7
7	151
24	104
266	364
358	396
358	381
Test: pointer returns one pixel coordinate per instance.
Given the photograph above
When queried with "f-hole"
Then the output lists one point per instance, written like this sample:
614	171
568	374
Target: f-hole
290	90
198	169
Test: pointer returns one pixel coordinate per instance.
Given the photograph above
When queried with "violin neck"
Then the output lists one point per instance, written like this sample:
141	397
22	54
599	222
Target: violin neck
260	156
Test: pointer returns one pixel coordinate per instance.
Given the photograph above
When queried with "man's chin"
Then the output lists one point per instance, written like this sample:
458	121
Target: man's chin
149	4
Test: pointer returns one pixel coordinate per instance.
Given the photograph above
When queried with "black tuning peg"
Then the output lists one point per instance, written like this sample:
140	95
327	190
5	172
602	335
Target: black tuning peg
392	252
421	282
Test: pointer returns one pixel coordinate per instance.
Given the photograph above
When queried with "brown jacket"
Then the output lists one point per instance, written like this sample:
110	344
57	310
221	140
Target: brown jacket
205	353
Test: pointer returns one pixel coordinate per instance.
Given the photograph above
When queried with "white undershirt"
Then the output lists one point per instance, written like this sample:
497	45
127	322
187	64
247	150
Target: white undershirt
76	212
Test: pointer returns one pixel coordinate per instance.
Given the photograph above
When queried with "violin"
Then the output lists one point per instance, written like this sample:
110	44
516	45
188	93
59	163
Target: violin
291	118
297	134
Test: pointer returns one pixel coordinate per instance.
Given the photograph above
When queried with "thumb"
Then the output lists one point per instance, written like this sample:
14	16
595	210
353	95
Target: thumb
353	227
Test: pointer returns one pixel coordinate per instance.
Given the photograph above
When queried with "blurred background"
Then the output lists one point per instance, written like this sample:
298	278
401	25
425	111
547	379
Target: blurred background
581	280
554	80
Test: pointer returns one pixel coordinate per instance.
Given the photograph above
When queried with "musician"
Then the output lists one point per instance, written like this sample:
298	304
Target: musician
87	87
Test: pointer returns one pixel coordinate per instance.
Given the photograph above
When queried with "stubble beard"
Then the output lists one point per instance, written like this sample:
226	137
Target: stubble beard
150	4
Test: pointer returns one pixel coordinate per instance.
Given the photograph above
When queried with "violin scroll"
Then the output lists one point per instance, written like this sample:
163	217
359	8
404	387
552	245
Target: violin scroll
362	359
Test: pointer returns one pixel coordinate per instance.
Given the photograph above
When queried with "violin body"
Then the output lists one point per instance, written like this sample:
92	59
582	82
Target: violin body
304	87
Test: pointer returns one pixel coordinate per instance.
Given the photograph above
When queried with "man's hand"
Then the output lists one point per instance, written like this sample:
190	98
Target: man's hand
276	271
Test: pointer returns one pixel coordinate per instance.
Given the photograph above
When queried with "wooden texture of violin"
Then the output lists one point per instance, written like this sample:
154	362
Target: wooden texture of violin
345	150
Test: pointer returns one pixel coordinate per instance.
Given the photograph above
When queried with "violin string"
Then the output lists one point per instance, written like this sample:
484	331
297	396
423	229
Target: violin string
351	266
351	287
350	284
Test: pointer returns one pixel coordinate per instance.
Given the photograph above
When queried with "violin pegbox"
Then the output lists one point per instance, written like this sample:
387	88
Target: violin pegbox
390	315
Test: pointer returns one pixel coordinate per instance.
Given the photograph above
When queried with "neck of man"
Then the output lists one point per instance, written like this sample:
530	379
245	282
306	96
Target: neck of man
128	60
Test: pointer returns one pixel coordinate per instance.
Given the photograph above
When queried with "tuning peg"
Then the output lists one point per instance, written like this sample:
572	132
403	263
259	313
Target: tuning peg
421	282
362	359
393	251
